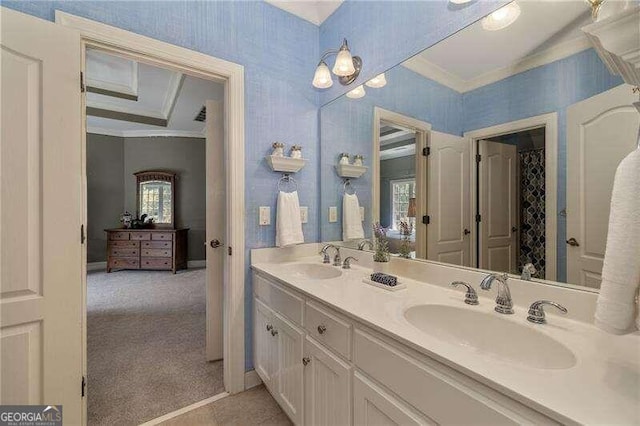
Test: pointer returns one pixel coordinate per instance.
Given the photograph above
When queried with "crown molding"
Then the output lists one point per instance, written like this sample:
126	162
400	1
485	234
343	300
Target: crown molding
428	69
146	133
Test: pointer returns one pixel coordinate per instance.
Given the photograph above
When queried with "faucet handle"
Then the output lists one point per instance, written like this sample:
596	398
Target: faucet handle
337	260
536	313
470	298
347	262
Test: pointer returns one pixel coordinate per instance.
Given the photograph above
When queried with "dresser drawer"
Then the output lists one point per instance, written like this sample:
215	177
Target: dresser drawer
119	235
328	327
124	244
157	244
156	263
124	251
156	252
278	299
124	263
162	236
139	236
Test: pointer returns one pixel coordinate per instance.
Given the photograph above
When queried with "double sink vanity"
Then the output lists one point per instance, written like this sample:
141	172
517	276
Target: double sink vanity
334	350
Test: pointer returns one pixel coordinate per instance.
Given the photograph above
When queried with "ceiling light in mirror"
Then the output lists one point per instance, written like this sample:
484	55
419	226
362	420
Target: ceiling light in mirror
344	62
459	1
357	93
502	17
377	81
322	78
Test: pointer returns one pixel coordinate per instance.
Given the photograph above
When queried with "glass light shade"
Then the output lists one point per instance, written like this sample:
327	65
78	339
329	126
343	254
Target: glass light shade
322	77
377	81
502	17
344	62
356	93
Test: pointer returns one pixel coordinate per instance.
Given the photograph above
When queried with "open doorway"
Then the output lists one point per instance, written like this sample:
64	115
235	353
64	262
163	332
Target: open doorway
154	328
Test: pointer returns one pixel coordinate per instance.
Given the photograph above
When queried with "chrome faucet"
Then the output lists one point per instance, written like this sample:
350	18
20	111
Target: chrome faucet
337	261
504	304
365	243
347	262
536	313
527	272
470	297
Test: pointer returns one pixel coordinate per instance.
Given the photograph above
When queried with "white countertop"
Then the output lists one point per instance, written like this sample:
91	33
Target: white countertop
602	388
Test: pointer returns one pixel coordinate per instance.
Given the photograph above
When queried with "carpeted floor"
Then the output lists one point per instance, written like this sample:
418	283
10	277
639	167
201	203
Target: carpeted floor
146	345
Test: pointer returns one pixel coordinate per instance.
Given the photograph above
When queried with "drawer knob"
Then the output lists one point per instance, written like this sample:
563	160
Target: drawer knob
274	332
322	329
306	361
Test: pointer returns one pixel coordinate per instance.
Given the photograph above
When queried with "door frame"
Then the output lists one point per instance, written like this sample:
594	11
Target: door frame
550	123
423	131
141	48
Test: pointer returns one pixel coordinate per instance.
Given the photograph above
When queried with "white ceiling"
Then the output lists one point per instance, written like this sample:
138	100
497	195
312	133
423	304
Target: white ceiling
544	32
314	11
162	94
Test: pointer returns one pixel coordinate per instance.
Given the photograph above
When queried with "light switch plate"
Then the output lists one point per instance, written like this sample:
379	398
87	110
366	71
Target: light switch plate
304	214
265	215
333	214
361	213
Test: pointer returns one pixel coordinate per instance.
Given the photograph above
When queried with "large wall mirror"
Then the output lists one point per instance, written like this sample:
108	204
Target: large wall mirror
497	146
156	197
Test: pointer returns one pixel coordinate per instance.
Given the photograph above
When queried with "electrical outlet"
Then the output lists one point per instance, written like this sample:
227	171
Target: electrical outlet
304	214
361	214
265	215
333	214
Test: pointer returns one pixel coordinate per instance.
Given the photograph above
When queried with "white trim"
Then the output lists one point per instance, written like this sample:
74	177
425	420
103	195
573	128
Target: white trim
147	133
433	72
171	95
155	52
251	379
550	123
186	409
97	266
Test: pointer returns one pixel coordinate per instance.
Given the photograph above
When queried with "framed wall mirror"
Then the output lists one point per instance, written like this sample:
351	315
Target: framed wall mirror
497	146
156	197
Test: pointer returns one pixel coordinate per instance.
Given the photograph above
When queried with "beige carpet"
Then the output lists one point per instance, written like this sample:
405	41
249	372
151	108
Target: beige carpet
146	345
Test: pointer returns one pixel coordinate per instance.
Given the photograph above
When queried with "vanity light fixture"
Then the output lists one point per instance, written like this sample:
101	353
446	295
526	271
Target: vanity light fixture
356	93
502	17
377	81
347	68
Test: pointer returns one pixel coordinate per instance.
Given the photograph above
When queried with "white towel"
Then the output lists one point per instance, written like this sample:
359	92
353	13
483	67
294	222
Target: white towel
616	306
351	223
288	223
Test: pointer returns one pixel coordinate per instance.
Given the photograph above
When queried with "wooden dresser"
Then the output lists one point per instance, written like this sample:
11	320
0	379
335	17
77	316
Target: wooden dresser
158	249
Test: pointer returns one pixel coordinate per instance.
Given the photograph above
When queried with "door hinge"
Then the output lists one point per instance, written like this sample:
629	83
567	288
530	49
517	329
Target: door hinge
82	88
478	158
478	218
83	386
230	250
82	237
426	219
426	151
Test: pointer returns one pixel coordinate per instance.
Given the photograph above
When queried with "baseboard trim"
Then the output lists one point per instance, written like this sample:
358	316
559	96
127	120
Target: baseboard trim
251	379
186	409
96	266
197	264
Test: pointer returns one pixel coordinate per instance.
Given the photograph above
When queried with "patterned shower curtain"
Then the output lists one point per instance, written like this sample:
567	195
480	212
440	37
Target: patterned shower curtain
532	220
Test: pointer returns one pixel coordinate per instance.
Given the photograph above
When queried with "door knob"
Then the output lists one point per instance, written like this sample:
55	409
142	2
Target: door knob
573	242
466	231
215	243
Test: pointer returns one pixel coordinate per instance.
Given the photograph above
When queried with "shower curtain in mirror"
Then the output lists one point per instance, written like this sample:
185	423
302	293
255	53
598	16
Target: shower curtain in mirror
532	221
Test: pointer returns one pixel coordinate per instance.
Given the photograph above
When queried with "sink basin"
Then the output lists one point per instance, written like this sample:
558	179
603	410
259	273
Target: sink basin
490	334
314	271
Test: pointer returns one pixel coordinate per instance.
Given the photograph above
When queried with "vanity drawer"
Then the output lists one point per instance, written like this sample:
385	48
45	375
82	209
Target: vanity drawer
435	389
124	244
139	236
155	263
124	251
329	328
156	252
162	236
157	244
124	263
278	299
119	235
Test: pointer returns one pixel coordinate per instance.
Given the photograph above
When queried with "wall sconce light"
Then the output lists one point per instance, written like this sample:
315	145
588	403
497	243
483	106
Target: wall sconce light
377	81
357	93
347	68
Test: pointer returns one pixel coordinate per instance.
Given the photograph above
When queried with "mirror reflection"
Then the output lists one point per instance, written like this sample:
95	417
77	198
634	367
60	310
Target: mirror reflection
494	149
156	197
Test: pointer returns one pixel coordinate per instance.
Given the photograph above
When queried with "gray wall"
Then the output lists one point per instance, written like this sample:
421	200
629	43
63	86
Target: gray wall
112	186
392	169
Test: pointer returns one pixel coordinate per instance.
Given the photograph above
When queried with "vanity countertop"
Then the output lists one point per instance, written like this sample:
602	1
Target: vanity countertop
603	387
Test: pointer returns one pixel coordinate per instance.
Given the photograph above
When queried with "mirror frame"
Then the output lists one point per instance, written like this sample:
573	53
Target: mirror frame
157	175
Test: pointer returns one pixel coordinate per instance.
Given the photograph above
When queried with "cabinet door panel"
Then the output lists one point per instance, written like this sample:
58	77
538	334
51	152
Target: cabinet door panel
265	344
289	379
326	379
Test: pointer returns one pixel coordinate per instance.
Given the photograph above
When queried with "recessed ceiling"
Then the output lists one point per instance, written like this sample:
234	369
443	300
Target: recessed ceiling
396	141
314	11
545	31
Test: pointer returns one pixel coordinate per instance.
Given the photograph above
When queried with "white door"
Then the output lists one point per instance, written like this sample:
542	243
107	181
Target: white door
216	228
327	393
449	198
498	206
41	215
265	343
289	374
601	131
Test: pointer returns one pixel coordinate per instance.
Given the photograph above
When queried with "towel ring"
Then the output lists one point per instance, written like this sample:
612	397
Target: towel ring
288	179
347	184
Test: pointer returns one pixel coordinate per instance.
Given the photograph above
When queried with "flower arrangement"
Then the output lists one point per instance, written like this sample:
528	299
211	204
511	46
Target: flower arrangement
405	247
380	244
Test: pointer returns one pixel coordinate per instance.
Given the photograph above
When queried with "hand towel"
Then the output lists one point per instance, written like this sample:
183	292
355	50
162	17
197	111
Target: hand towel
351	223
288	223
617	306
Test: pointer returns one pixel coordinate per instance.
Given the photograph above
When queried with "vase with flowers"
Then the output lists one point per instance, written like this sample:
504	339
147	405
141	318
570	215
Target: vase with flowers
381	249
406	229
